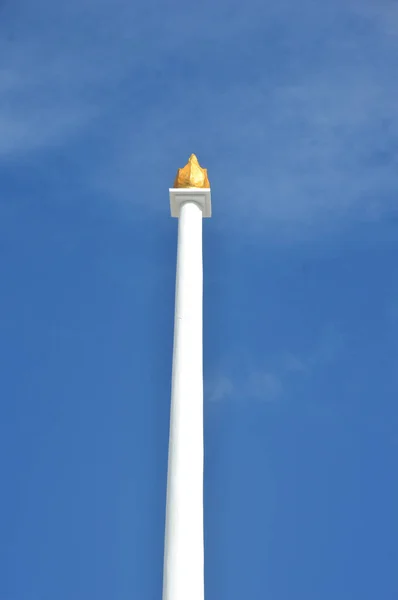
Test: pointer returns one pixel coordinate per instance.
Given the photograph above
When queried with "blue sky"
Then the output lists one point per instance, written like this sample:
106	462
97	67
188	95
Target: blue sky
292	107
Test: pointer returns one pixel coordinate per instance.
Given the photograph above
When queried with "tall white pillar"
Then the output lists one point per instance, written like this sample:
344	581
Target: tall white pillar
183	576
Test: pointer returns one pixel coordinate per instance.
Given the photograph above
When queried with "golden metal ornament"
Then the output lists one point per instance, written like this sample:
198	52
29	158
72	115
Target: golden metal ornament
192	175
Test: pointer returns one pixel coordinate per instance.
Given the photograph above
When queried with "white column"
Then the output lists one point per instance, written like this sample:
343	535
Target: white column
183	577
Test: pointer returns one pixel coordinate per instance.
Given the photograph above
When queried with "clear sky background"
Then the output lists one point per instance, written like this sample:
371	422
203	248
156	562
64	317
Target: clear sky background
292	107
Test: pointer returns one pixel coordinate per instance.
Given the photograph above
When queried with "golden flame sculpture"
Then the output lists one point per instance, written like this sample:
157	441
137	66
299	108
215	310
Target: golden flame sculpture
192	175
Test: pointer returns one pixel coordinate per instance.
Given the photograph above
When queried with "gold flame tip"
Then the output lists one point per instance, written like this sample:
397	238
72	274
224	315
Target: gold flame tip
192	175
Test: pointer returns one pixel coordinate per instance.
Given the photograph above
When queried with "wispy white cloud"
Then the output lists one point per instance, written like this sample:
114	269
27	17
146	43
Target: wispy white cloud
63	63
309	139
262	380
258	385
292	111
219	388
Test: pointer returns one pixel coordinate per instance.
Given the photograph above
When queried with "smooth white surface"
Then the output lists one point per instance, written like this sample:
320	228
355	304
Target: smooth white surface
201	196
183	576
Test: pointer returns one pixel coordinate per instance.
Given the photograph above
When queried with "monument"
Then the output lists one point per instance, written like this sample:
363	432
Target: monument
183	572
